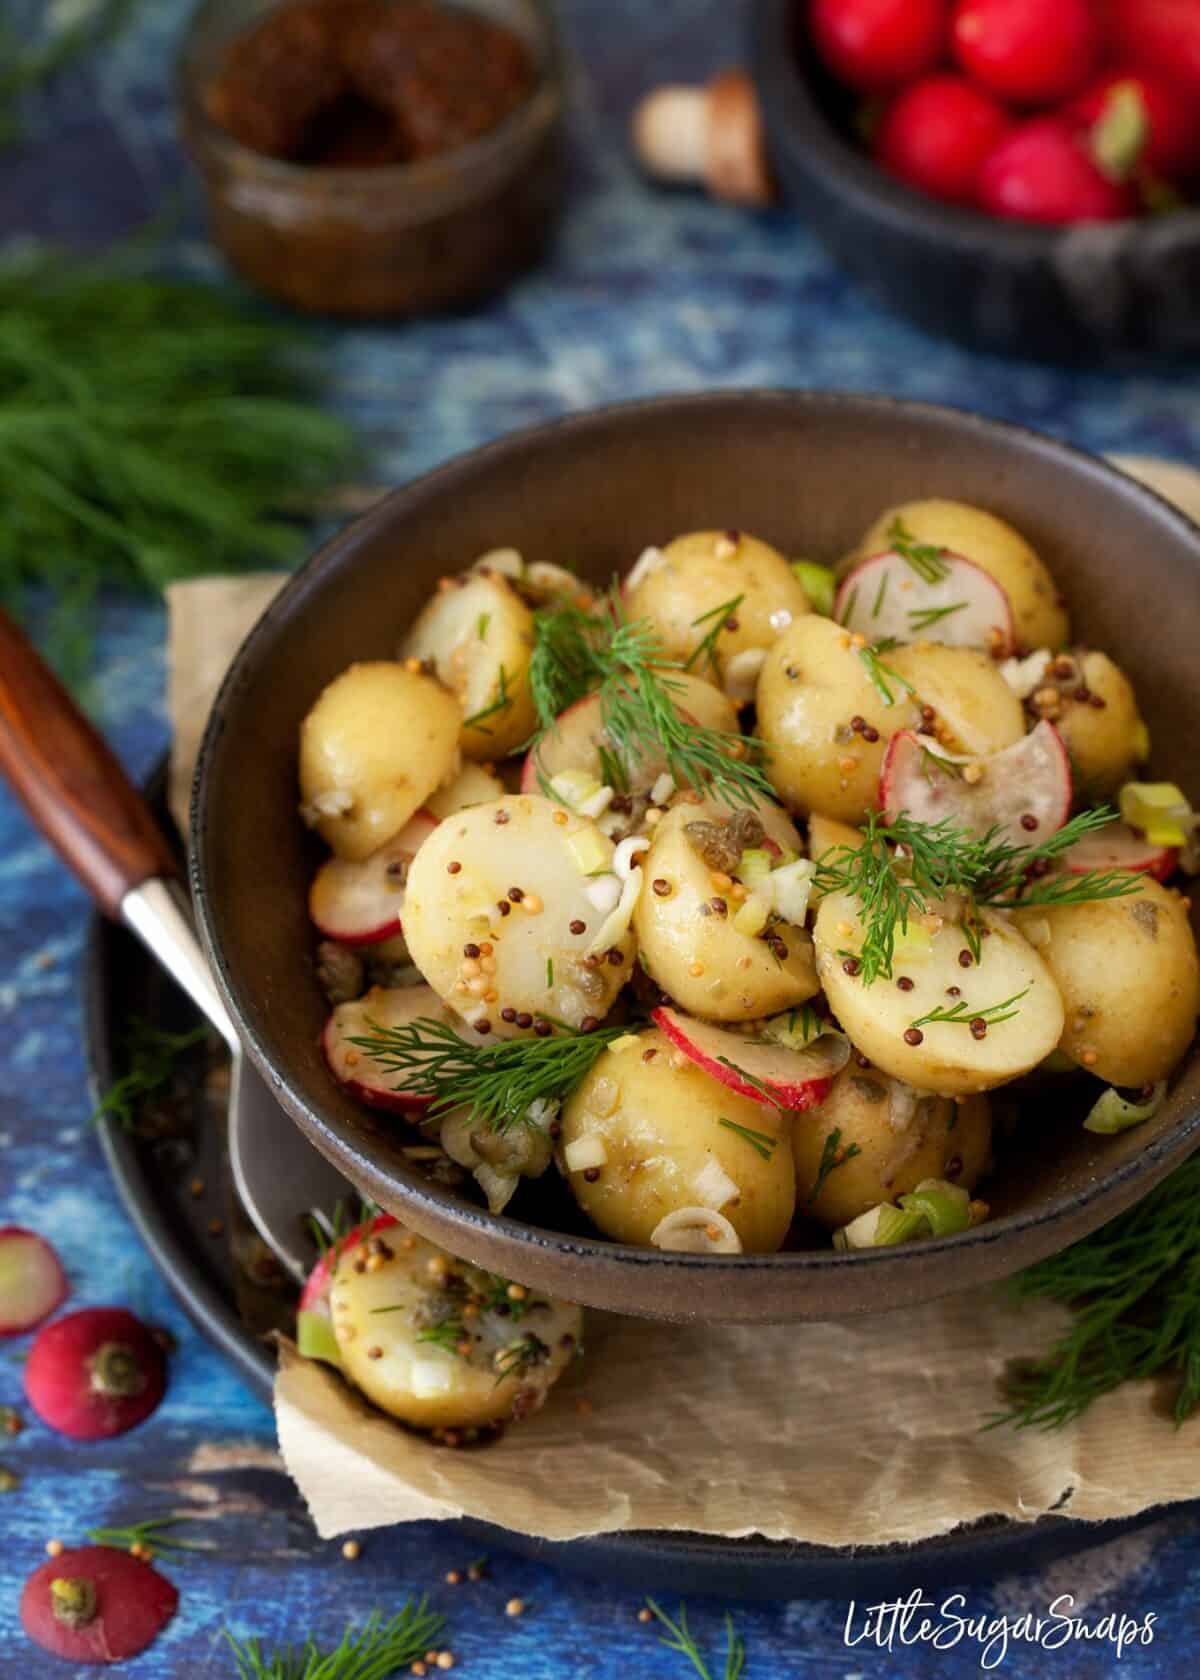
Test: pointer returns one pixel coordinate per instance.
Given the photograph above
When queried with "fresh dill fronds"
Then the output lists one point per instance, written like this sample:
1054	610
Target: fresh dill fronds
501	703
481	626
764	1090
372	1652
549	974
576	653
933	861
761	1142
153	1054
881	676
498	1081
921	619
848	615
962	1013
1134	1289
679	1638
612	770
152	1534
448	1335
520	1356
832	1157
928	561
881	593
706	648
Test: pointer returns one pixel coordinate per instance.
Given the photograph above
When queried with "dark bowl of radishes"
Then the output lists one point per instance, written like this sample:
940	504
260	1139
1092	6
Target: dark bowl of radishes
1021	175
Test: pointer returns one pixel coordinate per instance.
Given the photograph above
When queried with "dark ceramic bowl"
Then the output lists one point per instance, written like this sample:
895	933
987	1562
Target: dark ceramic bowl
1062	294
806	471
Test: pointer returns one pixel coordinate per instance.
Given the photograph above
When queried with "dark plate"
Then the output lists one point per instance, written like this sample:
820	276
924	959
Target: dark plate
1064	294
805	470
232	1311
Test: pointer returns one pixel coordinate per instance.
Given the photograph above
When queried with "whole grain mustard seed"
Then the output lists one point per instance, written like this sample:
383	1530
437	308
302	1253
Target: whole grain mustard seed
645	1615
55	1548
350	1550
515	1607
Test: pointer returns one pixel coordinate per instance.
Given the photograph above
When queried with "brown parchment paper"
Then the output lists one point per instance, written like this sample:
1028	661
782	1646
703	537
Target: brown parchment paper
858	1432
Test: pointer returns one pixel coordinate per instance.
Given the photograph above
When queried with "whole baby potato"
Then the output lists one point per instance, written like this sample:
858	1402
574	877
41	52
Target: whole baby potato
1102	727
694	575
975	709
478	635
652	1121
1129	978
1039	617
900	1137
376	744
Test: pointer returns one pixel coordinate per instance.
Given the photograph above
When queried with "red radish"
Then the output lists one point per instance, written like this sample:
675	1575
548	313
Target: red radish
1170	144
361	903
1121	847
94	1373
878	44
1034	52
361	1074
936	134
316	1288
1024	791
797	1079
1163	35
96	1604
1042	173
963	607
32	1281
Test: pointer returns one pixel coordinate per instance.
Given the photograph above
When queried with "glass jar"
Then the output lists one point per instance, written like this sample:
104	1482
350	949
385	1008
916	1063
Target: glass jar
401	239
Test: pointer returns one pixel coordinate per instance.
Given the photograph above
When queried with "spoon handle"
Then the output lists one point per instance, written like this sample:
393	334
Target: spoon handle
70	781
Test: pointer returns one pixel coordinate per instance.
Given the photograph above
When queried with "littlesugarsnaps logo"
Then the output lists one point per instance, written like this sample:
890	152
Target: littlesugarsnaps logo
917	1620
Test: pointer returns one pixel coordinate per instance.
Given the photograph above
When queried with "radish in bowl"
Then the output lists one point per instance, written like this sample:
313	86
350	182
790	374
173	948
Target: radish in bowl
361	902
943	598
761	1068
361	1073
1023	792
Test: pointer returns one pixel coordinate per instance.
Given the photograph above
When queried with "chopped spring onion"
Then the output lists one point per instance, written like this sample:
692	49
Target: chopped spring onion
881	1227
592	856
945	1207
1114	1113
315	1338
696	1230
820	585
754	866
1159	810
751	917
583	1153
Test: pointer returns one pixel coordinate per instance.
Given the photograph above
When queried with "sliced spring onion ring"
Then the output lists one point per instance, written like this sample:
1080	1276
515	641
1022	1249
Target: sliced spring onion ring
315	1338
945	1207
1114	1113
820	585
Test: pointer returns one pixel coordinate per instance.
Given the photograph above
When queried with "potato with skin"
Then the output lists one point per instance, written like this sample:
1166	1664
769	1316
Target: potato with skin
900	1139
825	835
945	1056
578	739
512	876
704	570
693	949
1129	977
1106	742
376	744
811	687
655	1120
479	635
976	711
491	1375
1039	617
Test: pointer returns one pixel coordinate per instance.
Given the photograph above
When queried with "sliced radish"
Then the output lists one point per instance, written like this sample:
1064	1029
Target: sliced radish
361	903
359	1072
96	1604
1121	847
313	1297
577	740
960	605
797	1079
1024	791
32	1281
94	1373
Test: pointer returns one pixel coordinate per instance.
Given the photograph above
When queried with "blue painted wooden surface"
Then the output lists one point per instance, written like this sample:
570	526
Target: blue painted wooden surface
645	293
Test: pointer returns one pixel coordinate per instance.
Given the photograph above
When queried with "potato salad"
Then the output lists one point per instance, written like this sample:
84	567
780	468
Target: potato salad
734	892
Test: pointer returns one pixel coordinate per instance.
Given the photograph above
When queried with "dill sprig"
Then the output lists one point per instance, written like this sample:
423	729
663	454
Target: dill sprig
153	1054
1134	1286
372	1652
921	619
520	1356
497	1082
705	649
150	429
964	1014
936	861
763	1089
449	1334
881	676
928	561
761	1142
679	1638
832	1157
501	703
577	653
152	1535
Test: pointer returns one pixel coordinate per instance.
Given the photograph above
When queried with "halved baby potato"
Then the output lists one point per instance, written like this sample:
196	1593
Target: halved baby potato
686	925
533	883
474	785
1039	616
1129	977
680	586
975	711
886	1138
1100	722
479	635
398	1304
939	973
378	741
648	1135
